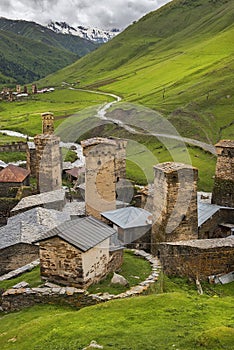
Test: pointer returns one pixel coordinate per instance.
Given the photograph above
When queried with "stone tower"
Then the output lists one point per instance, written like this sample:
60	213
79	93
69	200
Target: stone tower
105	160
47	123
223	191
174	204
48	162
46	157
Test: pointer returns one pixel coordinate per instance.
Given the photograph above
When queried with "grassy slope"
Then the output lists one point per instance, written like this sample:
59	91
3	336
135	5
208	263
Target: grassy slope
44	35
24	116
180	320
24	60
189	61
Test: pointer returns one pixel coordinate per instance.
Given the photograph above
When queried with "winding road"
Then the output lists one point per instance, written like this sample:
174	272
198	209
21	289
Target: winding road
101	113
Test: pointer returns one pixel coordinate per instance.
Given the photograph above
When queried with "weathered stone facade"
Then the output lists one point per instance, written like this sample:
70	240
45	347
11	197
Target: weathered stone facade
48	166
174	203
47	123
198	258
215	227
64	264
223	191
100	175
16	256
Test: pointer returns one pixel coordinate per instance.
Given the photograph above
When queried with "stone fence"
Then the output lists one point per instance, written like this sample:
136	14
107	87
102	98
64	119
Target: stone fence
21	296
14	147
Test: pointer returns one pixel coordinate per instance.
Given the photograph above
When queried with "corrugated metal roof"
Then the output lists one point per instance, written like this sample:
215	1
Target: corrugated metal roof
13	173
84	233
129	217
206	211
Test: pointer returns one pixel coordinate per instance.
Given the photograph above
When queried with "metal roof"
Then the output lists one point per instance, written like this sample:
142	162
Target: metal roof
129	217
84	233
206	211
13	173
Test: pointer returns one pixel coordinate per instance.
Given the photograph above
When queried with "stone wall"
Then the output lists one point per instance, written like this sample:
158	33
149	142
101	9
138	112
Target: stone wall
198	258
115	260
64	264
48	165
99	176
174	204
61	263
17	299
6	205
16	256
14	147
212	228
223	191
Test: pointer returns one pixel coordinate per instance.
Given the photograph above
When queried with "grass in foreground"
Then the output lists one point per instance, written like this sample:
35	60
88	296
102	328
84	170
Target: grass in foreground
134	269
175	320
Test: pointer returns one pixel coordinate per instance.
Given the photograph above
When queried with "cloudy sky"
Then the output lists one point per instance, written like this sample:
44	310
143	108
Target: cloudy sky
104	14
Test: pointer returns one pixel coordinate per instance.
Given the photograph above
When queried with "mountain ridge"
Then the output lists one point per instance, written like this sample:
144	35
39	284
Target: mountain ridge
89	33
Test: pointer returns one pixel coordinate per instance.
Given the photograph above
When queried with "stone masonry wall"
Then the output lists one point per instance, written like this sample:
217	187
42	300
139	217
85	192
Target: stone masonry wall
16	256
17	299
197	262
223	191
100	176
14	147
48	169
61	263
211	228
174	204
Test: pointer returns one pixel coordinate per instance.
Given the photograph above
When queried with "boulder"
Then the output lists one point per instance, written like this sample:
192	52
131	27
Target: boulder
118	279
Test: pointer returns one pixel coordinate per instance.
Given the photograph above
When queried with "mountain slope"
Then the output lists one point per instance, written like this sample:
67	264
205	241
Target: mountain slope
37	32
93	34
24	60
177	60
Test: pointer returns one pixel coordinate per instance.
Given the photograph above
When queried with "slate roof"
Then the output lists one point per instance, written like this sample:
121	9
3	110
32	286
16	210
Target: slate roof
30	225
84	233
129	217
40	199
205	243
13	173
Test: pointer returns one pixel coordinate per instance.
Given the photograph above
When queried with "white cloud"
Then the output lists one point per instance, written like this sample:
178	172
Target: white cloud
104	14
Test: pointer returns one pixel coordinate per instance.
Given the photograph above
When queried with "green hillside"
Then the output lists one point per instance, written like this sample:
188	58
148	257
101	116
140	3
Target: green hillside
35	31
177	60
177	319
24	60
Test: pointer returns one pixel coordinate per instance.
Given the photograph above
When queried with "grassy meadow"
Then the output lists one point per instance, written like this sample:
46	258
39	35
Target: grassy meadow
174	317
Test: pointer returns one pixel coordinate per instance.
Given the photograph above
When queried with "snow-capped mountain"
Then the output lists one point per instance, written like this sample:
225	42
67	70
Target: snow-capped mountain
93	34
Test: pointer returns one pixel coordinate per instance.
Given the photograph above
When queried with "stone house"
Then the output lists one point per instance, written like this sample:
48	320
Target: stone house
21	230
214	221
12	177
198	258
133	226
49	200
77	253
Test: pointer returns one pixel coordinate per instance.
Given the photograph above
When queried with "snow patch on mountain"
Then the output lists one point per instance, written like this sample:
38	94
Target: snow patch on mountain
93	34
